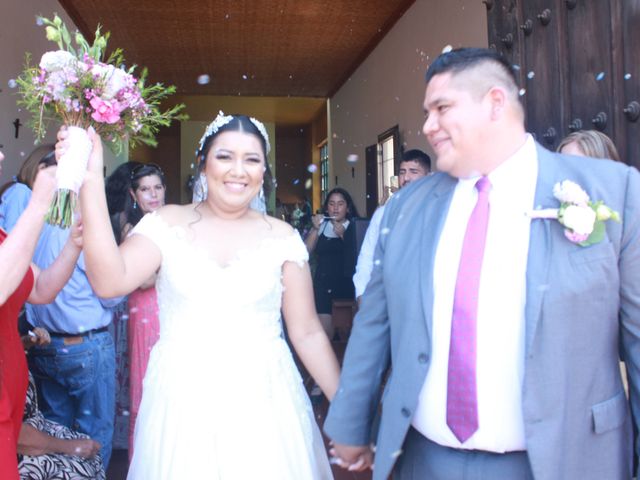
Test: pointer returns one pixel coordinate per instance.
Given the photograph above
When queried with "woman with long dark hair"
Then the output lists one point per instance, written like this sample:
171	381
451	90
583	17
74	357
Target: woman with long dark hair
221	385
331	241
146	194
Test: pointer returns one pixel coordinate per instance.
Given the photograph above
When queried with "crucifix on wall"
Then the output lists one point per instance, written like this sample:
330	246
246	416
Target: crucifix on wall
17	125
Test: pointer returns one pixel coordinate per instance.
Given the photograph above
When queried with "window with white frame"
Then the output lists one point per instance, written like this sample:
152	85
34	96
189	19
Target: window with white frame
388	153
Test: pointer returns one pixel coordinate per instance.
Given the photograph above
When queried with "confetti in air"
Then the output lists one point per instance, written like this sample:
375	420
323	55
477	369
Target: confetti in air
627	76
352	158
312	168
204	79
447	49
307	184
12	83
600	76
531	74
522	92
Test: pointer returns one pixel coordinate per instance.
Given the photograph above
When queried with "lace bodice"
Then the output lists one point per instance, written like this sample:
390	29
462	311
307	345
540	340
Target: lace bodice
196	294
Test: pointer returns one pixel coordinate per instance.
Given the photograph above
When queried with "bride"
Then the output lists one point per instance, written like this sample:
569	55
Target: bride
222	398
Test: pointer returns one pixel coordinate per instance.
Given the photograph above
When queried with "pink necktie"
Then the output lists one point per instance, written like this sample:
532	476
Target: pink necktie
462	399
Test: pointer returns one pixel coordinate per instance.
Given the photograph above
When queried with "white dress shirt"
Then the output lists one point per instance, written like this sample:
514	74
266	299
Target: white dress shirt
501	303
364	267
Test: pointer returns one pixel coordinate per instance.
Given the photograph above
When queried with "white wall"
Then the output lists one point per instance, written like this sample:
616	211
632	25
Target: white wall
20	34
388	88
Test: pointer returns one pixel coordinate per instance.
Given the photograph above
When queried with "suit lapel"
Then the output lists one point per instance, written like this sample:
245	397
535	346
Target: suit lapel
540	247
433	218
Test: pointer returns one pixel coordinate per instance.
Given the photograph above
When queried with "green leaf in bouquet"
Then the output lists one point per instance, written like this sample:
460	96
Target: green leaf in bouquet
597	235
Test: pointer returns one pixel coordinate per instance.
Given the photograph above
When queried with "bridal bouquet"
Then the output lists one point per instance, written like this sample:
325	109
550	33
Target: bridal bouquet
76	86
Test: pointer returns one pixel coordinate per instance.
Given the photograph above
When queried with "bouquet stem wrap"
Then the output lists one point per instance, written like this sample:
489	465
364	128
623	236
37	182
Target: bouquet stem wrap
71	168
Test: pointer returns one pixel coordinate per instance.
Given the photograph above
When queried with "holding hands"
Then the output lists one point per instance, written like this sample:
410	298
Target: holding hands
352	458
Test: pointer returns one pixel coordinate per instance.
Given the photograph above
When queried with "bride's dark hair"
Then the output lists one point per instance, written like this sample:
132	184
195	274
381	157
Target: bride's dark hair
239	123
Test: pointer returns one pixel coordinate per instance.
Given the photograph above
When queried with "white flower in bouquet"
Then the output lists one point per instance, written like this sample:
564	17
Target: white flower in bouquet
570	192
54	61
115	79
580	219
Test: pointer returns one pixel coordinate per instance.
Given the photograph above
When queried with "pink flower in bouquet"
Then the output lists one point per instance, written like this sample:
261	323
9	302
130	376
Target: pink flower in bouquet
105	111
575	237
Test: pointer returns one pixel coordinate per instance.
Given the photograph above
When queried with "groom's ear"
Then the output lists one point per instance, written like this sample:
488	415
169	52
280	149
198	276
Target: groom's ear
497	98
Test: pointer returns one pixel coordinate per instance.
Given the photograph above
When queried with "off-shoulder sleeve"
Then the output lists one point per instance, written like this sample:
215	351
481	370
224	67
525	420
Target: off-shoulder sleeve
294	249
153	227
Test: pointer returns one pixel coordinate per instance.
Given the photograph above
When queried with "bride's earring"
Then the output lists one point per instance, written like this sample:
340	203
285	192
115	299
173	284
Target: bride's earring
203	185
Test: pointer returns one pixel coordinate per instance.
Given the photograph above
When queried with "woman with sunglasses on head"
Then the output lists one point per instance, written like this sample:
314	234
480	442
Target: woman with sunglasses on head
146	195
222	397
22	281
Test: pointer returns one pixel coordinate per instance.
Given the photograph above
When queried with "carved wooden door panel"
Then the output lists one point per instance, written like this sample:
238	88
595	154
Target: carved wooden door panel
578	66
627	100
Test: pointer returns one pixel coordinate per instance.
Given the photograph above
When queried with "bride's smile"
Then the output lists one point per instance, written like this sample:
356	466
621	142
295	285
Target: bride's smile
235	168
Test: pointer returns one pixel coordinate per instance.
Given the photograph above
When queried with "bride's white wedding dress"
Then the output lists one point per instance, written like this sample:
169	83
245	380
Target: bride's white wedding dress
222	397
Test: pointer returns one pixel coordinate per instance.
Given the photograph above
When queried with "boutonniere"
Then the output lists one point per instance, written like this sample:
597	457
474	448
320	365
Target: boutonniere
583	219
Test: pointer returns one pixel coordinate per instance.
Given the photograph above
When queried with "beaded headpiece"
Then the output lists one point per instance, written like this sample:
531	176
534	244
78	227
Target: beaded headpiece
221	120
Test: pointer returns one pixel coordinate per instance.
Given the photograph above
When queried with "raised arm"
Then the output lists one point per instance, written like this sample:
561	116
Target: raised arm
111	271
305	330
17	249
49	282
314	233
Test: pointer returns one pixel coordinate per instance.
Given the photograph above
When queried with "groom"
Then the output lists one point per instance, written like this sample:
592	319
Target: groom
503	335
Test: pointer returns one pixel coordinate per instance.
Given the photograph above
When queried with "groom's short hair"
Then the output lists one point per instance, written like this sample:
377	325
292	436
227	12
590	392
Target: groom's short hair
485	68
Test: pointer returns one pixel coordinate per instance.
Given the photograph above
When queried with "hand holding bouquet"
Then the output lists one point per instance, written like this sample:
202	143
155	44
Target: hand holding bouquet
76	86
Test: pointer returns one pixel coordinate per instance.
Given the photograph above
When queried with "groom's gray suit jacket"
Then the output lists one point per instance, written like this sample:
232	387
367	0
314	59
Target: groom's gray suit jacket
582	311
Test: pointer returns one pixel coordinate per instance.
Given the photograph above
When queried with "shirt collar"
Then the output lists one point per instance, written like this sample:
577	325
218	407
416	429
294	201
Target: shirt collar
521	166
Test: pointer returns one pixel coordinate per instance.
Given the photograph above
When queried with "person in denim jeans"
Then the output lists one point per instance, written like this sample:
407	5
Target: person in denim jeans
75	374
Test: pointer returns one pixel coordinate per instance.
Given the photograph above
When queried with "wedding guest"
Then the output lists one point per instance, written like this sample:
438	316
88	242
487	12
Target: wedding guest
589	143
20	280
330	240
225	274
415	164
50	451
15	195
118	196
147	190
75	373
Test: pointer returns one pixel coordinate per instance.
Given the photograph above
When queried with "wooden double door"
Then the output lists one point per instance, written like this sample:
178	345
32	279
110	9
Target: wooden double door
578	63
